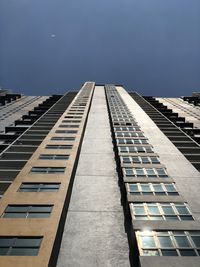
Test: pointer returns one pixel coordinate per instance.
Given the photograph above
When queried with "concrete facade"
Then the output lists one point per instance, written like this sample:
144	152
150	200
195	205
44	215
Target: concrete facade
94	233
183	108
16	109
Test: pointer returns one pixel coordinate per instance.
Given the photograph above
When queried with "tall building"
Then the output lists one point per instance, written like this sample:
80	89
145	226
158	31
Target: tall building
102	177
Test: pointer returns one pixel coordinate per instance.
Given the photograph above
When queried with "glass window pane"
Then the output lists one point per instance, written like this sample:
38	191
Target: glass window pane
17	208
157	187
187	252
150	172
153	210
161	172
165	242
41	208
139	210
38	215
133	188
145	160
24	251
169	252
182	209
148	241
171	217
3	251
145	187
14	215
182	241
6	242
196	240
28	242
140	172
170	188
167	209
136	160
150	252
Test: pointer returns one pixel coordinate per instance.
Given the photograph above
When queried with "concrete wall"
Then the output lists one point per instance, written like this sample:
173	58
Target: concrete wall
94	232
183	108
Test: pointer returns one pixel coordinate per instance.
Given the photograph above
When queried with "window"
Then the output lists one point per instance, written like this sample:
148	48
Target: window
27	211
48	170
19	246
64	138
139	160
67	131
71	121
169	243
58	146
129	134
145	172
119	129
152	189
68	126
161	211
54	157
131	141
135	149
39	187
73	117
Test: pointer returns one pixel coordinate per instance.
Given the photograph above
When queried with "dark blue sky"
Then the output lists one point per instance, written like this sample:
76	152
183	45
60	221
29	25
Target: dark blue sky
152	46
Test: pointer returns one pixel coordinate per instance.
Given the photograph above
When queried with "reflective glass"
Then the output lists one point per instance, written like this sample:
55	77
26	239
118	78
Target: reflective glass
153	210
182	241
139	210
196	240
148	242
168	209
165	242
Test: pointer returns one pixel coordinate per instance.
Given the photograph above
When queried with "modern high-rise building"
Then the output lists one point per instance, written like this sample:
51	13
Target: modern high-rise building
101	177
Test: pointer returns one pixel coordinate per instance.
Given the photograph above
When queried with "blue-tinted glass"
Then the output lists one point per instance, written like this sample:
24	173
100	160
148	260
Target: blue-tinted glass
182	241
196	240
153	210
24	252
165	241
169	252
147	242
187	252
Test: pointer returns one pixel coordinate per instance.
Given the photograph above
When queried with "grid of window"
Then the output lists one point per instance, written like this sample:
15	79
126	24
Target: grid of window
135	149
145	172
129	134
39	187
64	138
48	170
54	157
169	243
27	211
161	211
58	146
131	141
19	246
128	129
140	160
155	189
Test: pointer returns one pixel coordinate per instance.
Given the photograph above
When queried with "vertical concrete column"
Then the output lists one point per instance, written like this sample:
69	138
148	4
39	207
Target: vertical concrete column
94	233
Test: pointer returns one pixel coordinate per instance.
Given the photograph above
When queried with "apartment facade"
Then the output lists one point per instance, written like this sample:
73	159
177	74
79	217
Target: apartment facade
101	177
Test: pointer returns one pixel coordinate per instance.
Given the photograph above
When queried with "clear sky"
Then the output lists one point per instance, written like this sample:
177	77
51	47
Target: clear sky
51	46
